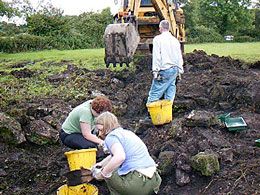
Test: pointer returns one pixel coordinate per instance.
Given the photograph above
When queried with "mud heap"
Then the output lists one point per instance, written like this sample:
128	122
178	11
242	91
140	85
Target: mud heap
210	86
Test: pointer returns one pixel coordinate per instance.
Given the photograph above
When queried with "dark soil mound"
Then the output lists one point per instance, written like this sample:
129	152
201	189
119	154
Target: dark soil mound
210	86
24	73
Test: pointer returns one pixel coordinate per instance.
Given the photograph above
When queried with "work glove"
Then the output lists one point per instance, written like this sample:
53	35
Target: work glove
96	173
103	147
155	74
97	165
178	78
94	131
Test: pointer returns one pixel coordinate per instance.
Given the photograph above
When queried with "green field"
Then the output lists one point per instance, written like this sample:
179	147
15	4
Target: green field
249	52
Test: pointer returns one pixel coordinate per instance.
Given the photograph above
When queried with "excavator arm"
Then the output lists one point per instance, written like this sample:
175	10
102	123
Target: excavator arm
175	16
165	12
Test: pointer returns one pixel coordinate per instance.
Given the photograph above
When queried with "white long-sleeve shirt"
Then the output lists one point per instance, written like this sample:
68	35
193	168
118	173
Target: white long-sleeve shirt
166	52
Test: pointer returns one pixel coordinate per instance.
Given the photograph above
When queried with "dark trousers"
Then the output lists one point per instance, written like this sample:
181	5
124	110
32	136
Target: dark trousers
76	141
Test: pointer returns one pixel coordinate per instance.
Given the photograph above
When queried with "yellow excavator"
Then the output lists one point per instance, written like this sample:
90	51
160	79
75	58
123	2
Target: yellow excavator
136	24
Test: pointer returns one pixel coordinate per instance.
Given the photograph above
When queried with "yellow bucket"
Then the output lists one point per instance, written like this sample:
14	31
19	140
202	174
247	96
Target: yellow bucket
82	189
84	158
160	111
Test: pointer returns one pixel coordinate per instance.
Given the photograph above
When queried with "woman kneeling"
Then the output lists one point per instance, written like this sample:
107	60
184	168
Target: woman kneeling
129	169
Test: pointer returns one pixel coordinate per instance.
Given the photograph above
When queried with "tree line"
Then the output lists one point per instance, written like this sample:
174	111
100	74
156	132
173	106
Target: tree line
209	20
48	28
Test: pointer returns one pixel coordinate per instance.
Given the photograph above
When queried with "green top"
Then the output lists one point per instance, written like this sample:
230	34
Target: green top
81	113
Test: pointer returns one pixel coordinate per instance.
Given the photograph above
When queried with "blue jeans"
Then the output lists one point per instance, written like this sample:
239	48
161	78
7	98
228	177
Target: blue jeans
165	86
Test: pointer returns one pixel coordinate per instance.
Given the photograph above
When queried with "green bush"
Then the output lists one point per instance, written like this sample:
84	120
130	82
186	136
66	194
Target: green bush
201	34
75	41
10	29
91	26
254	33
57	31
244	38
23	42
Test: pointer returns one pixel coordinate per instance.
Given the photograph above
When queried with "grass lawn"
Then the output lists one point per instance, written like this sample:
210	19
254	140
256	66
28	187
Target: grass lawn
249	52
91	58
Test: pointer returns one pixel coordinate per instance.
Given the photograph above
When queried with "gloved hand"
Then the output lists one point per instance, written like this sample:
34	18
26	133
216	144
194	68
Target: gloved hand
155	74
96	173
178	78
103	147
97	165
94	131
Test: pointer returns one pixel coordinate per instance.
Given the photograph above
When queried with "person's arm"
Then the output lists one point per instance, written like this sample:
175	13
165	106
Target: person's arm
86	132
156	55
104	161
118	157
180	65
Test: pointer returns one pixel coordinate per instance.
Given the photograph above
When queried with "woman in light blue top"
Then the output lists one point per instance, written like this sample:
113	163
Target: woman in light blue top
129	169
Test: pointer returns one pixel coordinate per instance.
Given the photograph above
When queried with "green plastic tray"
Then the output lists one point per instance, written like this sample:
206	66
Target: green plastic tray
235	124
257	142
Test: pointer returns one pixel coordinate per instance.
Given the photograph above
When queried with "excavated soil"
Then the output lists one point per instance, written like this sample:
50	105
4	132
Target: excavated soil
211	85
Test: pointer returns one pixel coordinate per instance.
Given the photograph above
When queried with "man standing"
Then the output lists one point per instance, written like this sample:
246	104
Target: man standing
167	64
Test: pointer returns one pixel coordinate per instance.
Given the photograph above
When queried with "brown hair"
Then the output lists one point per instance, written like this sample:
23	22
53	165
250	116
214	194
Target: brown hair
109	122
101	104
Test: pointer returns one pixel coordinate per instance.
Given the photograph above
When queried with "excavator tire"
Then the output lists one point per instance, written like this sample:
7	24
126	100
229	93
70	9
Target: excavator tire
121	41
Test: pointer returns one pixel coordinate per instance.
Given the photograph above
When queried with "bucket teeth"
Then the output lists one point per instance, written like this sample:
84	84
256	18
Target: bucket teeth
121	41
114	64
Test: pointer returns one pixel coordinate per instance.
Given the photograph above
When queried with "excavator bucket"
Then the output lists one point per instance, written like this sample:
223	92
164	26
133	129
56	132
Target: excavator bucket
121	41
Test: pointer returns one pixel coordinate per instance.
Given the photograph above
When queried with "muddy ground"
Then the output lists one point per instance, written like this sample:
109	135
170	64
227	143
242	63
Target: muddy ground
210	86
